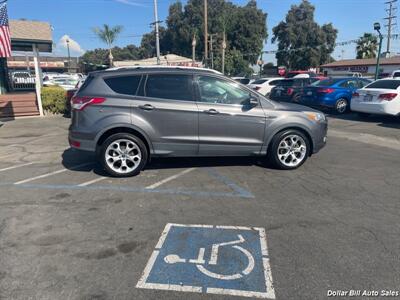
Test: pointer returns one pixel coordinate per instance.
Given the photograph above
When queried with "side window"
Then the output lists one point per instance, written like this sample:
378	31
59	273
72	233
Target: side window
169	86
363	83
274	82
126	85
215	90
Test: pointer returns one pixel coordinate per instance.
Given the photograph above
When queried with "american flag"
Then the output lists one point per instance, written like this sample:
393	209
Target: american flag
5	42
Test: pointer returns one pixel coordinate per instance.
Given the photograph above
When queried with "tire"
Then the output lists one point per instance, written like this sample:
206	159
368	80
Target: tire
341	106
281	142
123	155
296	98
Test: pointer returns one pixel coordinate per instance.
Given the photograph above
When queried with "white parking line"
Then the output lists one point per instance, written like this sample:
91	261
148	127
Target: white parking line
51	173
92	181
16	166
157	184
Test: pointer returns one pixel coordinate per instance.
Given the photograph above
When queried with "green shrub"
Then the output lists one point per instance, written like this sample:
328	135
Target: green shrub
54	100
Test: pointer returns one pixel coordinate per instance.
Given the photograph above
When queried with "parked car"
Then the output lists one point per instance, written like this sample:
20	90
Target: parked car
65	83
242	80
22	80
380	97
290	90
332	93
127	115
292	74
264	85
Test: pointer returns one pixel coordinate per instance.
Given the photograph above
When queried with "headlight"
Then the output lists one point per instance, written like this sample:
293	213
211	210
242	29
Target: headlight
316	117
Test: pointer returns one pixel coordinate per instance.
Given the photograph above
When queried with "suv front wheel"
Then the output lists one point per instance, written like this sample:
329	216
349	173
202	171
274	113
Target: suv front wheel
123	155
289	149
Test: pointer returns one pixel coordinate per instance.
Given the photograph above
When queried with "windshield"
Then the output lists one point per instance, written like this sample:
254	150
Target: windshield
384	84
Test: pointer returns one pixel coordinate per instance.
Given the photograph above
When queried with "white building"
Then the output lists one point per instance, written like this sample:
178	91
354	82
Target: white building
364	66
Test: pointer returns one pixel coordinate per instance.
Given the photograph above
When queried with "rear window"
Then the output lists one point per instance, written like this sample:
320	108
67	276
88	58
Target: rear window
126	85
290	82
396	74
384	84
327	82
260	81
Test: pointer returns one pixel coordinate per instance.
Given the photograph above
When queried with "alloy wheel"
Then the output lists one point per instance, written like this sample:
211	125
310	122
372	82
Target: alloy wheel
123	156
292	150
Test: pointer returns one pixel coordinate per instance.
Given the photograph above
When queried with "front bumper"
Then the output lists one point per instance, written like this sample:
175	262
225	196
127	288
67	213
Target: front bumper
320	136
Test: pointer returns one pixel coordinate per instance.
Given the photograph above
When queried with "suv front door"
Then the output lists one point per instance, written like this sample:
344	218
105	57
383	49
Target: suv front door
228	124
165	103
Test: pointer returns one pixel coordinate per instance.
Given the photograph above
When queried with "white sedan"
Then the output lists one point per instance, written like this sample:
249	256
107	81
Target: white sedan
380	97
265	85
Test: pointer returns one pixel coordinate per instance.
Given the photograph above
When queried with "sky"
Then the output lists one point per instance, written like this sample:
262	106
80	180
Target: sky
74	19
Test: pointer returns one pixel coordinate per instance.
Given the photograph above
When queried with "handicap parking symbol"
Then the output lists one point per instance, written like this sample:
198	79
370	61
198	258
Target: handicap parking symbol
210	259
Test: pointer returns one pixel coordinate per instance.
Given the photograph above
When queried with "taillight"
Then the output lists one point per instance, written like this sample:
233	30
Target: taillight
325	90
290	91
257	88
387	97
79	103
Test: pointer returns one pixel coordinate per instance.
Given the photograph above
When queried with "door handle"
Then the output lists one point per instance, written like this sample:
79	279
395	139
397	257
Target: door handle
146	107
212	111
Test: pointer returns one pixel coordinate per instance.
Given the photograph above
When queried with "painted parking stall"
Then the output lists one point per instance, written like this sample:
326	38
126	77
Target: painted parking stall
210	259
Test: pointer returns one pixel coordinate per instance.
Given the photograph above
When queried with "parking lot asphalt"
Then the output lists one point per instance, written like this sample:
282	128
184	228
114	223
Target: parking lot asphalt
68	231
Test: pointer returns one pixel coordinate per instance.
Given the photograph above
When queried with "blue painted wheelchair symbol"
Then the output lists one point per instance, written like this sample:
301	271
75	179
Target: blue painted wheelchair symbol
212	259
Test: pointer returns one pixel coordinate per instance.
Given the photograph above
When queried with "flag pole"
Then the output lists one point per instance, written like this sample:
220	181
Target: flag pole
6	47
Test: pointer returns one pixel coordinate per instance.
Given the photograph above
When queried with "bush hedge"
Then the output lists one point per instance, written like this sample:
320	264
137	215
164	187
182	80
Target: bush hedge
54	100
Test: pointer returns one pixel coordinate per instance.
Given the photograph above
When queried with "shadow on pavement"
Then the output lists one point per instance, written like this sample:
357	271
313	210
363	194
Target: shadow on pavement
382	121
87	162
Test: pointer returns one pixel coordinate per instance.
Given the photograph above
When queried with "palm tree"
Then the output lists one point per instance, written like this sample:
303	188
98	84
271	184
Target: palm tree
367	46
108	35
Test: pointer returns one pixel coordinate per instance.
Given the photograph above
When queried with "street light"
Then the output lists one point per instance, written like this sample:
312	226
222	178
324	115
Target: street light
69	56
377	27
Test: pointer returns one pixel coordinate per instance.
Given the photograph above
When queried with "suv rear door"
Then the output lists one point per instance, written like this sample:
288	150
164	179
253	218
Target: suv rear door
228	125
165	103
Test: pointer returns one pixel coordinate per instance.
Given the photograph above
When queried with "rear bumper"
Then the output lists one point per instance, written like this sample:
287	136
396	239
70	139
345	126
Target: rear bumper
81	141
382	108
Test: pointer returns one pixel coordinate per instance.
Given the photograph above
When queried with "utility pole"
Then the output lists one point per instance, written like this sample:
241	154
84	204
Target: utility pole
390	21
212	51
157	33
205	34
194	50
223	53
69	56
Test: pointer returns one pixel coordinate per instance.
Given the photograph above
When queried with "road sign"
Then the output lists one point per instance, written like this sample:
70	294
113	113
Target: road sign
212	259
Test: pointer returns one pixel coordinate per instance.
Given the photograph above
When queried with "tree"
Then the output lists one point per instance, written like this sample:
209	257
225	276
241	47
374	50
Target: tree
108	35
302	43
367	46
245	28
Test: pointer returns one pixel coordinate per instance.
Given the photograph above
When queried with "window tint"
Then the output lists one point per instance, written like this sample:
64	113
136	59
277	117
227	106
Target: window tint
214	90
384	84
286	82
274	82
351	84
396	74
169	86
259	81
126	85
244	81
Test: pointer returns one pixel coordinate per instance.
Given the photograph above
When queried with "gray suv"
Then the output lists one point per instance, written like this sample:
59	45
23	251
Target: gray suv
128	115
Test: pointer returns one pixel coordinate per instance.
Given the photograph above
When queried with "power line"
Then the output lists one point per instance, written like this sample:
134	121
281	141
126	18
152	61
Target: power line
391	10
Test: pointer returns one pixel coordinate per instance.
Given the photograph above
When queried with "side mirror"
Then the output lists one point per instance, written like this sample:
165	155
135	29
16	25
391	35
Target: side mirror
253	101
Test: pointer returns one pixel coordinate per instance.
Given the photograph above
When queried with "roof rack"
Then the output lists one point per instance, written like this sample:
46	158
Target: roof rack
162	67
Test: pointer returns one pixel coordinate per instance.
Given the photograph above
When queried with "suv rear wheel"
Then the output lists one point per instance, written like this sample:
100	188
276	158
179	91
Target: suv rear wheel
123	155
289	149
